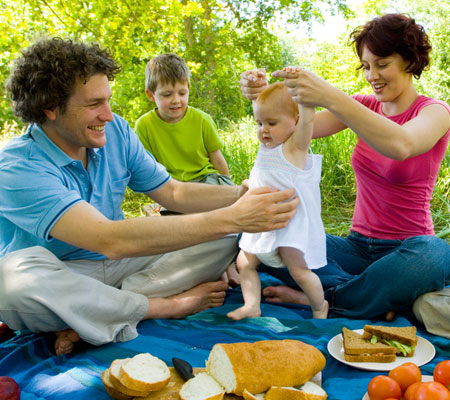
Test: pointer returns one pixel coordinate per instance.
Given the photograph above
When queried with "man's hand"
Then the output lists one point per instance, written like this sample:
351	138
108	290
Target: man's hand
264	209
252	83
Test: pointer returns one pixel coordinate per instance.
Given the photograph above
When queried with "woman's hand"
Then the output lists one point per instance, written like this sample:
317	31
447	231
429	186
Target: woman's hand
305	87
252	83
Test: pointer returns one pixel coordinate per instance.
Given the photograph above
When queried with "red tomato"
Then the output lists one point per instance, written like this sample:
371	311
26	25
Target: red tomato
411	391
382	387
432	391
406	374
441	373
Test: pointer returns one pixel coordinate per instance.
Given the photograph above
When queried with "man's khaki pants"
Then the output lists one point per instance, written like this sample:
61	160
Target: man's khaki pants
102	301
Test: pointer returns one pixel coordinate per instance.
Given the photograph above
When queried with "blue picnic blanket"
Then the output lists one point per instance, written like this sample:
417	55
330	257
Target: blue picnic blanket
41	375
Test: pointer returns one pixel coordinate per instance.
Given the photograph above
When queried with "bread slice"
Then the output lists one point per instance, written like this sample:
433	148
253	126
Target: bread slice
144	372
357	349
250	396
202	387
405	335
260	365
308	391
111	390
114	378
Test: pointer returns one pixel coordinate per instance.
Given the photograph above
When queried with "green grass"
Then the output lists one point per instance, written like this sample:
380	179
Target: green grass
337	186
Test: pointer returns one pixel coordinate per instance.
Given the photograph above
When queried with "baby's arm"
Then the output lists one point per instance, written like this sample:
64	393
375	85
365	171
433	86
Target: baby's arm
304	128
218	161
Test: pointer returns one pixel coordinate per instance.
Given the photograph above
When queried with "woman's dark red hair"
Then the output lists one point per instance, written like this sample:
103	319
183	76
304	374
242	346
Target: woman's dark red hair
395	33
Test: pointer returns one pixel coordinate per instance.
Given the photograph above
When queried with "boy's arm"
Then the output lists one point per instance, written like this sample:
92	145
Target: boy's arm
218	161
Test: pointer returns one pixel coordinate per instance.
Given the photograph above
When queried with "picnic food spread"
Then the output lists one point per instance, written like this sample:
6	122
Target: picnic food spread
270	368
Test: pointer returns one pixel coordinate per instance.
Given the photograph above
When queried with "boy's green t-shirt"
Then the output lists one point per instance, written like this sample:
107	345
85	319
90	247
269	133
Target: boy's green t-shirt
181	147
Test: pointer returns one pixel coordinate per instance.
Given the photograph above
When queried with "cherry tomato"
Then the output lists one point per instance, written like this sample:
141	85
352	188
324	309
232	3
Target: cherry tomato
406	374
432	391
382	387
441	373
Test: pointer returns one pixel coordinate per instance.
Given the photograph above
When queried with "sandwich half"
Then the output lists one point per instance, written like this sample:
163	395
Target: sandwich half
404	339
357	349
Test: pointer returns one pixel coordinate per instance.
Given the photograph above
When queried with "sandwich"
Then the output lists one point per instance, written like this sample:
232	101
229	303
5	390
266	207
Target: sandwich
357	349
404	340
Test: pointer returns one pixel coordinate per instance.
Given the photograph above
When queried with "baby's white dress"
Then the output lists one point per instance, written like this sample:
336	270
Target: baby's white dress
305	231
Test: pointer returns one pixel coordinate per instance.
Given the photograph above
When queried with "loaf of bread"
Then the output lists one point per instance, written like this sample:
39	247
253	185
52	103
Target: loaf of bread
256	367
202	387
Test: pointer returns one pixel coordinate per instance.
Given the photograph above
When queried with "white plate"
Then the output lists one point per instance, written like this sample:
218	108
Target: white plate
425	378
425	352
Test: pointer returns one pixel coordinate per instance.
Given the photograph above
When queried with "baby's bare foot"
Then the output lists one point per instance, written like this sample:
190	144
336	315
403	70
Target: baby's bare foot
244	312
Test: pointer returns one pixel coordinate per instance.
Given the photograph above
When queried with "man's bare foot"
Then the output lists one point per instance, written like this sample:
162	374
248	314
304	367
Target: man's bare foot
390	316
285	294
234	279
244	312
323	312
202	297
65	341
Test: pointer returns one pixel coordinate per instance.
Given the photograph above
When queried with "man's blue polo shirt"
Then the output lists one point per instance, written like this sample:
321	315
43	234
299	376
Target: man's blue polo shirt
39	183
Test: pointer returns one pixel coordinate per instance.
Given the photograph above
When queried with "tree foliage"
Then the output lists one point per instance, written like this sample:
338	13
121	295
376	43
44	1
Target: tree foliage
218	38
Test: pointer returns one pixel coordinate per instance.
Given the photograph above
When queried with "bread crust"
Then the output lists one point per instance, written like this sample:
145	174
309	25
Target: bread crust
286	393
406	335
111	390
381	358
260	365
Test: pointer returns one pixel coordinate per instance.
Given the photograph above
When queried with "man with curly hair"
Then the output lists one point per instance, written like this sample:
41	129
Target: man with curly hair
71	263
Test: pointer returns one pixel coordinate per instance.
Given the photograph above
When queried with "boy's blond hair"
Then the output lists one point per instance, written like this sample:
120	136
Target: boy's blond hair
279	92
166	68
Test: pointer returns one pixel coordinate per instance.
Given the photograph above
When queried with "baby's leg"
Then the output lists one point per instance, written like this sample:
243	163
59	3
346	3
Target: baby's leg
251	287
306	279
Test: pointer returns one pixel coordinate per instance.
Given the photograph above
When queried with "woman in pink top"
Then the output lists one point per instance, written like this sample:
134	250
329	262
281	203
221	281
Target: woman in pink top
391	255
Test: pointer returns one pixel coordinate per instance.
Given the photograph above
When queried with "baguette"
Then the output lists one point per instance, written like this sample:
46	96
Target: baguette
144	373
260	365
202	387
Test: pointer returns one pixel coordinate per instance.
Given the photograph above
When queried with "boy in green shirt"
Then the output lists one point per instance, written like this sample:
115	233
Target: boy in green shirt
182	138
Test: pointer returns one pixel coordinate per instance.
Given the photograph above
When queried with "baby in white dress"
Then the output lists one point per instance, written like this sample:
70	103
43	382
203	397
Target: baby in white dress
283	161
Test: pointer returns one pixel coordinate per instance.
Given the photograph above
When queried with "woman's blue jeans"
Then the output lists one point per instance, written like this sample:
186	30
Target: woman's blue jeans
366	277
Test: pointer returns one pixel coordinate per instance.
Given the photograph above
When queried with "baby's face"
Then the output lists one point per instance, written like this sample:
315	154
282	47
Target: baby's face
274	125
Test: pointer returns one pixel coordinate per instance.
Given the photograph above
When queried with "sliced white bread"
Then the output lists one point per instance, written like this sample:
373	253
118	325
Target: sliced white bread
144	372
202	387
114	377
260	365
308	391
249	396
110	389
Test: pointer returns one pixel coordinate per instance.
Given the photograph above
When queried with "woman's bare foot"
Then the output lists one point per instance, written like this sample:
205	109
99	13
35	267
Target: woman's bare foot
202	297
65	341
244	312
285	294
390	316
234	279
323	312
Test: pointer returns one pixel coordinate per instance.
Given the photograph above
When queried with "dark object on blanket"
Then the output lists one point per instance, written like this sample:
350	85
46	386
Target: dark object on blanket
6	332
9	389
